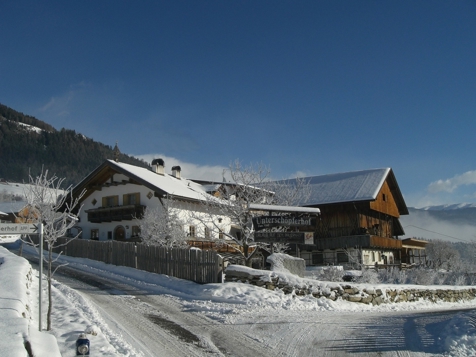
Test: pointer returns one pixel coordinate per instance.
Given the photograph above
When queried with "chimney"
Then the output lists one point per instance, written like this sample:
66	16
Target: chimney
158	166
176	171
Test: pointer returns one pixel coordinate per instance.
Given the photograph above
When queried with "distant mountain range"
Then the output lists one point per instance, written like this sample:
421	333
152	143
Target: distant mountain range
449	207
28	145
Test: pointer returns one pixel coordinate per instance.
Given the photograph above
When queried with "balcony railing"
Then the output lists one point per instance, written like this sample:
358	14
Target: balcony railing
116	213
361	241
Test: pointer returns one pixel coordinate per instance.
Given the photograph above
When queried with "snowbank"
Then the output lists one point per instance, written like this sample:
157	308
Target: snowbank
286	263
17	333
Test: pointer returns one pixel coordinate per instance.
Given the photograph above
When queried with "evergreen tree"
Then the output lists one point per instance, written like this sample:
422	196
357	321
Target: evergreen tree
66	153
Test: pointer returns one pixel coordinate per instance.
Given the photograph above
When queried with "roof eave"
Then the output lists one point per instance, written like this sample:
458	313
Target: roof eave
397	194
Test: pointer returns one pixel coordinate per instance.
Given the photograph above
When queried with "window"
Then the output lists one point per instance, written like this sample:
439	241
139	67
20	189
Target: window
384	197
109	235
220	234
317	258
135	231
110	201
207	233
367	260
342	257
95	234
191	231
131	199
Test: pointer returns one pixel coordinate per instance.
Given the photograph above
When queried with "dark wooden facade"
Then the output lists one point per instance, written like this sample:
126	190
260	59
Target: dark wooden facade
365	224
370	226
117	213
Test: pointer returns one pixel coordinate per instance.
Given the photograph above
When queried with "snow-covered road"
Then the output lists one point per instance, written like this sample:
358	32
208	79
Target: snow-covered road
159	325
128	312
156	324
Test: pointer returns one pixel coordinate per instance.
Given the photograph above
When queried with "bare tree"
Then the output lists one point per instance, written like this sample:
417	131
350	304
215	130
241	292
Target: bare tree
58	211
441	255
249	185
229	202
163	225
292	192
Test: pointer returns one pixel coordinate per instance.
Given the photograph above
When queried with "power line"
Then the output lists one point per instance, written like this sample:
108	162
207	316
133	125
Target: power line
441	234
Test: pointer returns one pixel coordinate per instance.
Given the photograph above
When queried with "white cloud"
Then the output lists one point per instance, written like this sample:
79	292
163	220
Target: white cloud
189	170
59	106
298	174
451	184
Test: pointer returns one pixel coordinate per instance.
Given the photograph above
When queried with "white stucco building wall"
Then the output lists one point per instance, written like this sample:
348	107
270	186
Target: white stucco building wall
119	193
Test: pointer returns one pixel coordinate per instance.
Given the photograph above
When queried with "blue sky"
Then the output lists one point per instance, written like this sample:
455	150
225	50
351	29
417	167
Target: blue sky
306	87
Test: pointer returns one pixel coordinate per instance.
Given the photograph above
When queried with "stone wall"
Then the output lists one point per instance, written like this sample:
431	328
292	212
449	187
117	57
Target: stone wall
345	291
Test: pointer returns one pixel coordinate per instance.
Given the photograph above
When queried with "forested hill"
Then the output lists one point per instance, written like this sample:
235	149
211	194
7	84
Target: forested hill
28	144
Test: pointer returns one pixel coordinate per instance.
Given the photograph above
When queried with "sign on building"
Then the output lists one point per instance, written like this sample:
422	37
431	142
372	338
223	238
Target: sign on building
263	222
285	237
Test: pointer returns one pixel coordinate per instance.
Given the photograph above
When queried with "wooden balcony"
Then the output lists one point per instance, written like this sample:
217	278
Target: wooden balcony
116	213
361	241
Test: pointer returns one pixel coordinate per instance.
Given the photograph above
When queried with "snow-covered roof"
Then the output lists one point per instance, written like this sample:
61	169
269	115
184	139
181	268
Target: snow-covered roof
347	186
163	183
352	186
11	207
167	183
275	208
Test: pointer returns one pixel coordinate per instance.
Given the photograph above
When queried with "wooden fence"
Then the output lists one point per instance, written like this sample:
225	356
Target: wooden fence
200	266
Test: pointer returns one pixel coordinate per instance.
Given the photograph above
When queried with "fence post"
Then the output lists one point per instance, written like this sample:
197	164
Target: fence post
135	253
109	251
219	267
135	256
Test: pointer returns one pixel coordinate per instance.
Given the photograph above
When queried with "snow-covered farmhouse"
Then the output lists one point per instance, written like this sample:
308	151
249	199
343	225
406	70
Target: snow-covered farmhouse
359	222
117	194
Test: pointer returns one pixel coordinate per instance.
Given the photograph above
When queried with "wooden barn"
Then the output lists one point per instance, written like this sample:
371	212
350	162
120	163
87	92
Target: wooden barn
359	223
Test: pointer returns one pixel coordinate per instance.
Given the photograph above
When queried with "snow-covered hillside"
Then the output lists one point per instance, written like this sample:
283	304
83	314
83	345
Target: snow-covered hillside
12	188
31	128
449	207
